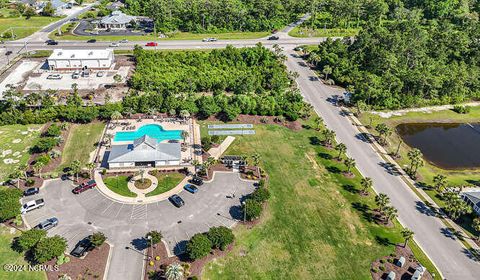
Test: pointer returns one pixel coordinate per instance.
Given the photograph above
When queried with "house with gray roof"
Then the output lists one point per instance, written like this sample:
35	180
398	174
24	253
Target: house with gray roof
144	151
116	20
472	198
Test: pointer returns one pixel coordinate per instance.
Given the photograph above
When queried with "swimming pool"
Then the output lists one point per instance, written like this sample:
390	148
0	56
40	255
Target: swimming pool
153	130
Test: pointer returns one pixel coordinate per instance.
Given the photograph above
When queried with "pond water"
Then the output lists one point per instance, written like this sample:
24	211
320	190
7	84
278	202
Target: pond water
446	145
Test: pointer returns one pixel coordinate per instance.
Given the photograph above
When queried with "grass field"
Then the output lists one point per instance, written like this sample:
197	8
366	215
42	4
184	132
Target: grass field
303	32
81	142
316	225
22	27
14	143
166	182
176	36
8	256
118	184
428	171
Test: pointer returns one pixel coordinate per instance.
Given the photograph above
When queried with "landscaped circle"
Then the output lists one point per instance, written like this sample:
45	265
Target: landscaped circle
142	184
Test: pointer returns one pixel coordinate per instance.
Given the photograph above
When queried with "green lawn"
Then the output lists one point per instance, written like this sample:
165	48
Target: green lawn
303	32
8	256
118	184
428	171
316	225
22	27
81	142
166	182
176	36
15	141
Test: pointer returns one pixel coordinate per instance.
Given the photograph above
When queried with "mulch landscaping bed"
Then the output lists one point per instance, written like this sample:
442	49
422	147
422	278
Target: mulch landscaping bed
159	266
387	263
91	267
255	119
143	185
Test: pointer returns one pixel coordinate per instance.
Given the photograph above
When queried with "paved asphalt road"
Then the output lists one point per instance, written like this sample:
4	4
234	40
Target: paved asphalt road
440	244
126	224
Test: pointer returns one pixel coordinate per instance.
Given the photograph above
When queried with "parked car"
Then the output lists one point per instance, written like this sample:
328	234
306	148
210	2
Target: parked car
209	39
51	42
196	180
76	74
113	44
84	186
32	205
8	52
151	44
54	77
273	38
190	188
92	41
47	224
100	73
82	247
31	191
176	200
123	41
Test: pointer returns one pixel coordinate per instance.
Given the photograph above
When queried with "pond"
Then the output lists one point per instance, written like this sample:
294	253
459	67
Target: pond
446	145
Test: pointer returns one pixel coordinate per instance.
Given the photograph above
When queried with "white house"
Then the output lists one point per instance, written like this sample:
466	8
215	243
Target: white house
80	59
145	151
473	199
116	20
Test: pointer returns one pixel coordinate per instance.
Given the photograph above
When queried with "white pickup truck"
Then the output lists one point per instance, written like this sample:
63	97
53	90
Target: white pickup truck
32	205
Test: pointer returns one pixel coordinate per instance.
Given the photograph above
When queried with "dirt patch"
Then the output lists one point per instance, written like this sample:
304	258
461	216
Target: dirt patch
381	267
143	185
91	267
255	119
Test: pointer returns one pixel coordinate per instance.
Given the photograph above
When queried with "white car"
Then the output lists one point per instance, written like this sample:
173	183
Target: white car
114	44
32	205
100	74
123	41
54	77
209	40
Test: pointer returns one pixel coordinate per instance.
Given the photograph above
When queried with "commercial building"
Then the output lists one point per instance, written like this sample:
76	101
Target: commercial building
145	151
80	59
116	20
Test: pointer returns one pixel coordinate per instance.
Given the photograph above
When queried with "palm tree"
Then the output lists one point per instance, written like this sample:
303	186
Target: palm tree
141	172
16	175
327	70
329	136
416	161
407	235
383	131
23	167
184	135
476	226
37	167
382	201
209	162
256	161
174	272
349	163
439	182
75	168
366	183
184	114
116	115
341	148
90	166
314	58
455	206
317	123
390	213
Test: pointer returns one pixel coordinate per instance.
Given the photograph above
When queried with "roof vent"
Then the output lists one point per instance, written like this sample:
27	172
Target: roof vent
90	53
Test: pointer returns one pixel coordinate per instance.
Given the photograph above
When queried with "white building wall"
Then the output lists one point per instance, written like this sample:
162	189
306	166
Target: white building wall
121	164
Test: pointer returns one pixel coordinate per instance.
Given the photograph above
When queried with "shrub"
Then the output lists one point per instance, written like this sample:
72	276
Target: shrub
198	246
156	237
261	194
382	261
98	238
53	131
215	139
382	268
104	171
62	259
252	209
220	237
30	182
206	142
9	203
461	109
28	239
45	159
44	144
48	248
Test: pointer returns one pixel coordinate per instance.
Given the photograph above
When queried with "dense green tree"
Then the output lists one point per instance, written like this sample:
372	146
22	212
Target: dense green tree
198	246
9	203
48	248
98	238
252	209
220	237
155	237
28	239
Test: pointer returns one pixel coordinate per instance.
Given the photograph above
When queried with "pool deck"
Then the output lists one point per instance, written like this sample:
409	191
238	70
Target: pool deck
125	125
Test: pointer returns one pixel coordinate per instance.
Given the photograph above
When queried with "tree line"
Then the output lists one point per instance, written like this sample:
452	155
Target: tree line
217	15
414	58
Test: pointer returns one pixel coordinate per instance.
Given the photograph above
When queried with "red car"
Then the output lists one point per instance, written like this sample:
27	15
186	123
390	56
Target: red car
85	186
151	44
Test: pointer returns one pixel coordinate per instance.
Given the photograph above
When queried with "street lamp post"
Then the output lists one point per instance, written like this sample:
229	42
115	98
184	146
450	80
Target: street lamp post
244	211
149	237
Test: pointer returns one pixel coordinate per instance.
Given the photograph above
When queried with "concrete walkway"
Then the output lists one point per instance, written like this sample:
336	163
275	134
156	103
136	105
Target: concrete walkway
217	152
141	198
141	193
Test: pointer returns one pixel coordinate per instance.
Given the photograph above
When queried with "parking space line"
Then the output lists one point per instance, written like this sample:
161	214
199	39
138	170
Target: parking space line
119	210
220	221
107	207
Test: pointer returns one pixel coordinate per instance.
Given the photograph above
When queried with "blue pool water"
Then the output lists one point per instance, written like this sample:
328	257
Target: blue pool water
153	130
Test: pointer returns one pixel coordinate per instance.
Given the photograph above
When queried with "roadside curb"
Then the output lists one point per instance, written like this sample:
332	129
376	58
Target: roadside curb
109	259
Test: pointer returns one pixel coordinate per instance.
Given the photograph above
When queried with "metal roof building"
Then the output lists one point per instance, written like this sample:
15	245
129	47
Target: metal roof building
116	20
145	151
80	59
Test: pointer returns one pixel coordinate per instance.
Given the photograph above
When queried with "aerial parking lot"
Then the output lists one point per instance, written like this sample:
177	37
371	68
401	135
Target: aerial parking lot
215	204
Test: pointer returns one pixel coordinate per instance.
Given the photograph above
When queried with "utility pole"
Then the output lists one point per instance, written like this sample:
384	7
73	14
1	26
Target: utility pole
244	211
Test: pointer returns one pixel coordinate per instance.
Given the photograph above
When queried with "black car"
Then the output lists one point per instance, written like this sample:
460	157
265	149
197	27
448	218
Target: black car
8	52
176	200
273	38
196	180
31	191
91	41
51	42
82	247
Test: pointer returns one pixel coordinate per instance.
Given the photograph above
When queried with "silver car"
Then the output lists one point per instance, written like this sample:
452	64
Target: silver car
48	224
